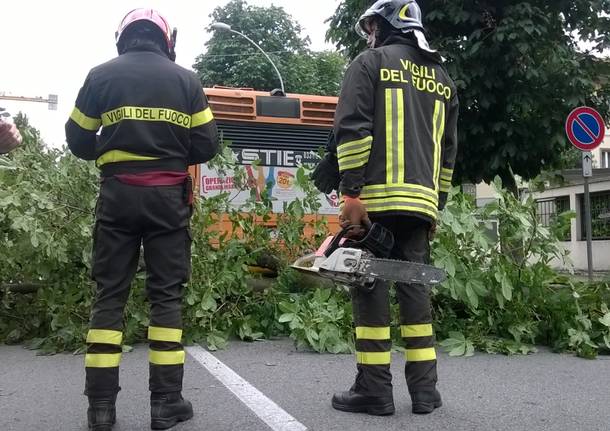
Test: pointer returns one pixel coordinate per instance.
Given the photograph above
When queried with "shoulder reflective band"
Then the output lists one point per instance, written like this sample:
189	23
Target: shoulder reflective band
166	358
201	118
374	358
102	360
424	330
87	123
419	355
370	333
140	113
171	335
114	156
104	336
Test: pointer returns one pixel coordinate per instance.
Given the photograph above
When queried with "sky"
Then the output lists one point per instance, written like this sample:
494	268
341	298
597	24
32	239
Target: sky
47	47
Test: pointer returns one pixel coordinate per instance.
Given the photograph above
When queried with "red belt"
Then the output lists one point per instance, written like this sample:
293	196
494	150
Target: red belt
159	178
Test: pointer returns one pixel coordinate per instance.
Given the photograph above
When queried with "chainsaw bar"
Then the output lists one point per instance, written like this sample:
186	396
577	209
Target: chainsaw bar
401	271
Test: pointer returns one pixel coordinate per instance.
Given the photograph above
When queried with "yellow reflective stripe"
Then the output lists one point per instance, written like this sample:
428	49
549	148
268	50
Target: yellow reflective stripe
102	360
445	187
391	188
166	358
353	162
104	336
87	123
423	330
400	125
354	146
114	156
401	193
399	200
418	355
201	118
171	335
142	113
370	333
374	358
447	172
401	207
436	150
389	164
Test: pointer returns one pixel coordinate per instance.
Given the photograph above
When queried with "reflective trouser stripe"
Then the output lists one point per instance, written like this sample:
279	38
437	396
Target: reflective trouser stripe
423	330
371	333
166	358
102	360
104	336
418	355
374	358
171	335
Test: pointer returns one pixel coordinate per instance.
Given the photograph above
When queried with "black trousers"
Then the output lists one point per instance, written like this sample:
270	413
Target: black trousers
128	216
372	318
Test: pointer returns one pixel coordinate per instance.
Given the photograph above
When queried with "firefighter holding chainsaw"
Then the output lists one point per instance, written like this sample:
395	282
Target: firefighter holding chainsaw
396	143
155	121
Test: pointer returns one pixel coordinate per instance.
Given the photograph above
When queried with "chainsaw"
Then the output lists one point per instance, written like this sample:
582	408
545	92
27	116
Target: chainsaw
359	263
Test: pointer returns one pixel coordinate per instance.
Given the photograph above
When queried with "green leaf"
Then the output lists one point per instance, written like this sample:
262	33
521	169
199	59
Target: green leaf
507	288
286	317
605	320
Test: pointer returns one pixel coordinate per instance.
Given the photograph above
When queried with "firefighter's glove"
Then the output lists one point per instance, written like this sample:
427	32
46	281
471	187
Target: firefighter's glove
353	213
326	174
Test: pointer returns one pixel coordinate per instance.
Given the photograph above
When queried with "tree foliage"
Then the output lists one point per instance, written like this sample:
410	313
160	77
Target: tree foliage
520	68
494	300
231	60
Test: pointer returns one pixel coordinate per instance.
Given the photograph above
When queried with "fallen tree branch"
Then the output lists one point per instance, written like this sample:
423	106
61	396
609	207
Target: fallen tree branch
21	287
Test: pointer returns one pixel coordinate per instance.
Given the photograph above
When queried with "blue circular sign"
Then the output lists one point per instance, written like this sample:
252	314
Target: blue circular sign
585	128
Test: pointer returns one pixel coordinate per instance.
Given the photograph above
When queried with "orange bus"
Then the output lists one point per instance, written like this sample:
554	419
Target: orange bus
280	132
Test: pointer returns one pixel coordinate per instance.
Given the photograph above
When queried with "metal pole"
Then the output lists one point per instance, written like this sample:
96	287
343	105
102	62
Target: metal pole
265	54
588	229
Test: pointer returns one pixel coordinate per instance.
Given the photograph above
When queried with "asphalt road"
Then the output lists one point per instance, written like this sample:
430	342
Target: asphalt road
544	391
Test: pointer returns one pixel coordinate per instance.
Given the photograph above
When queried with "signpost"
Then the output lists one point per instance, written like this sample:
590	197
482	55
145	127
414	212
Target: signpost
585	129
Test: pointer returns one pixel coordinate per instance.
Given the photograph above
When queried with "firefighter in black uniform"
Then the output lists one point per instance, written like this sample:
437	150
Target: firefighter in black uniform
155	122
396	136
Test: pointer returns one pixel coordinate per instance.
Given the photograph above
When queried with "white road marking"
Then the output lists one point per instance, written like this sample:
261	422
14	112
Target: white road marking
269	412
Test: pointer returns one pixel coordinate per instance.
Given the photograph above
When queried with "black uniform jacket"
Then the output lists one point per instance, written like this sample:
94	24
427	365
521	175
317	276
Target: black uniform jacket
153	114
396	130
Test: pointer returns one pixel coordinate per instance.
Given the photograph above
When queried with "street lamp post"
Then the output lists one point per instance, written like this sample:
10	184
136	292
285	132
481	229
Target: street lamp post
221	26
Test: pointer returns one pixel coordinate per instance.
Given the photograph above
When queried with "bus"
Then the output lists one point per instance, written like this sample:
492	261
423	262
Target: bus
279	133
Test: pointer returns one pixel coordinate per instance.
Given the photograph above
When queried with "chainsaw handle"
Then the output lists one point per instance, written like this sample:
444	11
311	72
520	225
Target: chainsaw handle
336	242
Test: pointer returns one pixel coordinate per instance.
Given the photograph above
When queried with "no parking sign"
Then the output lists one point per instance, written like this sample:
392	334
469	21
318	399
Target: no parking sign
585	128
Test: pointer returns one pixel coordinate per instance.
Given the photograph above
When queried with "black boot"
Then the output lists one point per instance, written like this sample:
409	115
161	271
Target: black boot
101	413
166	410
425	402
350	401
